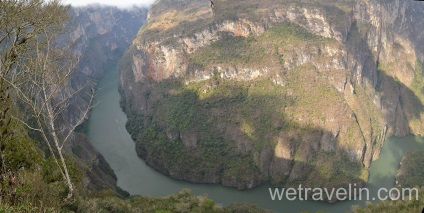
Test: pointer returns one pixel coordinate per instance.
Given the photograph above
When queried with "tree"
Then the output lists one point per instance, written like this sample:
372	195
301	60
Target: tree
36	68
20	21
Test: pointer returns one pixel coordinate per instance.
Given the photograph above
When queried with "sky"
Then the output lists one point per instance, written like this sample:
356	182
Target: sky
118	3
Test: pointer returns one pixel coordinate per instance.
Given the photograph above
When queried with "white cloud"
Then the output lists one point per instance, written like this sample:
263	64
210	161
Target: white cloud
118	3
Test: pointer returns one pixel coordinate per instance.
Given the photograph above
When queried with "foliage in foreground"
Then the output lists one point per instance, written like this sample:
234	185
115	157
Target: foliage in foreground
395	206
34	184
184	201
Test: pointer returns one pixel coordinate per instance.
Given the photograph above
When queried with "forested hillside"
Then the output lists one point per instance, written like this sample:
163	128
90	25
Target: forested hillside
52	56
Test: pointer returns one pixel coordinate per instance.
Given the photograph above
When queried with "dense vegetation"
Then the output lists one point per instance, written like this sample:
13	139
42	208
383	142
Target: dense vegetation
226	124
183	201
215	119
255	51
225	130
33	183
411	173
398	206
212	131
38	172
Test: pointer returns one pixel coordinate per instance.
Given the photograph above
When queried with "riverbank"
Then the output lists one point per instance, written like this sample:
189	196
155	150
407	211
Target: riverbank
106	131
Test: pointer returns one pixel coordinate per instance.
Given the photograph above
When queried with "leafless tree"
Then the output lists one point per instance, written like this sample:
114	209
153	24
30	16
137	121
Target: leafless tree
20	21
36	69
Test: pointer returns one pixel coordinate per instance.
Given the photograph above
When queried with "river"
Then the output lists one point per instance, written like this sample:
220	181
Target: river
107	133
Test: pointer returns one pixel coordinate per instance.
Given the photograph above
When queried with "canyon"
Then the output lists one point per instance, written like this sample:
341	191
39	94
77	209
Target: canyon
100	35
285	92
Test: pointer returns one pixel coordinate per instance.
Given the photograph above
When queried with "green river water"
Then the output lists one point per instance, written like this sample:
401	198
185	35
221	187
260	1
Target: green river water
108	135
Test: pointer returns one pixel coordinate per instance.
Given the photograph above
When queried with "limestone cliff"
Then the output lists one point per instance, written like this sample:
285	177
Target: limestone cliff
291	92
99	36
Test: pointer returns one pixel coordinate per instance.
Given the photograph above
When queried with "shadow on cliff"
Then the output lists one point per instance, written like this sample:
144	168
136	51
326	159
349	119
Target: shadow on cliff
402	104
409	107
403	107
238	135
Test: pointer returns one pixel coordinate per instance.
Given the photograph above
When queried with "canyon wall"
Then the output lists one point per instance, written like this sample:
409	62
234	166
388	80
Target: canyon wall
245	92
99	36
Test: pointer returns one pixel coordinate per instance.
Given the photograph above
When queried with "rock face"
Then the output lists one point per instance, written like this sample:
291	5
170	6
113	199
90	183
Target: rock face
100	35
282	91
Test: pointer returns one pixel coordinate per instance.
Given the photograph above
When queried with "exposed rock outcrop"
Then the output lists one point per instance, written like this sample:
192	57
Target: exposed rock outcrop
100	35
300	92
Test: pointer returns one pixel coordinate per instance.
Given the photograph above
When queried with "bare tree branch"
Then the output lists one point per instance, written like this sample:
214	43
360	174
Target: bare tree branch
26	124
37	70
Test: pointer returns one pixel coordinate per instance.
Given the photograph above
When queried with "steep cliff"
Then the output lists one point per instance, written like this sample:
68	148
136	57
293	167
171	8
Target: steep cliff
245	92
99	36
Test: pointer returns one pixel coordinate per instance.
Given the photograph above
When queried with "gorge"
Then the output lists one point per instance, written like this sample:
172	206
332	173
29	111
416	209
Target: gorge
106	131
210	106
224	97
256	94
285	92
